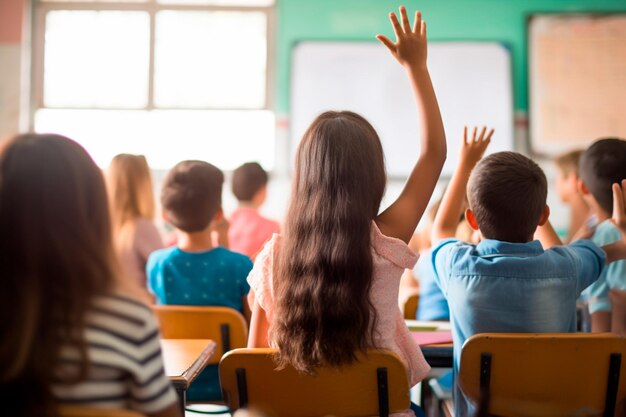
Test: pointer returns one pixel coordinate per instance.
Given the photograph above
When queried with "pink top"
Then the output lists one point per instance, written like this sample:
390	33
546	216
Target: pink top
141	241
249	231
391	257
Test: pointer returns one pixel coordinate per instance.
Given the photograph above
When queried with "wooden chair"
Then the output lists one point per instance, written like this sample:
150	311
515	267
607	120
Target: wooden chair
409	309
81	411
547	375
226	326
376	385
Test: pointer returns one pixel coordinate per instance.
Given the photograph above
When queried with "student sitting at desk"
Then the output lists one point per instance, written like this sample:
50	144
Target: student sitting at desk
195	272
70	335
508	282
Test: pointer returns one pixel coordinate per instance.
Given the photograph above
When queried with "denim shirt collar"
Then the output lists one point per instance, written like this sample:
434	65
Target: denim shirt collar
496	247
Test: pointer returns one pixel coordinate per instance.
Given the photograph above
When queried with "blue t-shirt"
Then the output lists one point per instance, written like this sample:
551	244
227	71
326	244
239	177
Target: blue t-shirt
511	287
613	276
213	278
432	304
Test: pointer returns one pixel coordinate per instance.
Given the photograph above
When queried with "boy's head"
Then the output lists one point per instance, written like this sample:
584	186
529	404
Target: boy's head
507	197
249	183
602	165
567	176
192	195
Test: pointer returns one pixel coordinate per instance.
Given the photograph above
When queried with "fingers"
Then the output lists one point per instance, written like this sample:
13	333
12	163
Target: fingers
388	43
474	134
489	135
423	29
482	134
465	135
406	25
417	23
618	203
396	25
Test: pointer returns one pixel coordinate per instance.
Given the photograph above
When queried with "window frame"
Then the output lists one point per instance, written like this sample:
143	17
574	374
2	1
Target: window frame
42	8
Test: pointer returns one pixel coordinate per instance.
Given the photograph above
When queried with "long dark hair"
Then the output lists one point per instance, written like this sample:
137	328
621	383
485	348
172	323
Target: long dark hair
323	274
56	254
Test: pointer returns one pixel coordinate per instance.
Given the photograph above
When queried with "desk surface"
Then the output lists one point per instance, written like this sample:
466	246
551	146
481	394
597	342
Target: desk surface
184	359
439	355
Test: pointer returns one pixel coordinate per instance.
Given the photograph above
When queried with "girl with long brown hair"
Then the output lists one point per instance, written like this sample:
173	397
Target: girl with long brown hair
131	197
328	287
68	335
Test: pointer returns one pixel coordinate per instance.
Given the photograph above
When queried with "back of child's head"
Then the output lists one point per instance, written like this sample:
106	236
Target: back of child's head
568	162
129	184
324	313
507	193
56	255
602	165
192	195
248	180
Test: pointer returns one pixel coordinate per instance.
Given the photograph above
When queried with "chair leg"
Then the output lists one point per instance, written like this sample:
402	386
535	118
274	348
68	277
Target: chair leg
242	387
611	388
383	392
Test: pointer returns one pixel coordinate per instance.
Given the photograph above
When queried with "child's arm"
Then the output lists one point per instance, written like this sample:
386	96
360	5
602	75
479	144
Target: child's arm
401	218
547	236
447	218
259	326
616	251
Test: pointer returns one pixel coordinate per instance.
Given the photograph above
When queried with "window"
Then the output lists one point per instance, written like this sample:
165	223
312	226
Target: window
171	79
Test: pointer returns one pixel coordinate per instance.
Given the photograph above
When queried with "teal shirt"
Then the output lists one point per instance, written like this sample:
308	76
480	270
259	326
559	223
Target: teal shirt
213	278
613	276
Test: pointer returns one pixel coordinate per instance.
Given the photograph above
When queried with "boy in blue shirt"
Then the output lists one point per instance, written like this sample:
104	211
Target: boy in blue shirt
195	272
508	282
602	165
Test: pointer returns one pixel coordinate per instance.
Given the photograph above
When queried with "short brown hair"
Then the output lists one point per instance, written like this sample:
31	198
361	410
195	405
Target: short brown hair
191	195
602	165
248	179
568	162
507	193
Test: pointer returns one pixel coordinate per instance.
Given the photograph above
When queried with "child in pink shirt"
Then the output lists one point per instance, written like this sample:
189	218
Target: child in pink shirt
248	229
327	287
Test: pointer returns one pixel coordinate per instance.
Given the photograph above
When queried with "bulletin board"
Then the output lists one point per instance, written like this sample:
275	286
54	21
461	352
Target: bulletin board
472	81
577	80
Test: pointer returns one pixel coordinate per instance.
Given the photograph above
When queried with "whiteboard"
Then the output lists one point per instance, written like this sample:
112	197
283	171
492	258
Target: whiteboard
472	81
577	73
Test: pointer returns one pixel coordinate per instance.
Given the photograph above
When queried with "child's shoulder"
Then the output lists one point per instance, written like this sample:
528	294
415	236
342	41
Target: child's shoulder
160	256
233	258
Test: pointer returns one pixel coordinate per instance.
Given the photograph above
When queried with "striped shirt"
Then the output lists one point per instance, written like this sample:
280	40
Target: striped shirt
125	364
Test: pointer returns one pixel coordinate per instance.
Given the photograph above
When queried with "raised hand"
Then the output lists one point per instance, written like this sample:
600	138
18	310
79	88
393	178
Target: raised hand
410	47
619	204
472	150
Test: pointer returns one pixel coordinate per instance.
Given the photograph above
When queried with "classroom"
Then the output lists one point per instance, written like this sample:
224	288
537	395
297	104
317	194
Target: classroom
290	208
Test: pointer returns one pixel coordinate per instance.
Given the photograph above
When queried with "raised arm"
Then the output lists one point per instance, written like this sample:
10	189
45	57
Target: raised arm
410	50
616	251
447	218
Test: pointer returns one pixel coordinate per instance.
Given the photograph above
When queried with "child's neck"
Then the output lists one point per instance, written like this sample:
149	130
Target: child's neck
196	241
248	204
600	214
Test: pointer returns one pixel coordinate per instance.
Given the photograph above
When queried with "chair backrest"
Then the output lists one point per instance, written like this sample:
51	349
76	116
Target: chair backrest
377	384
81	411
226	326
550	374
409	309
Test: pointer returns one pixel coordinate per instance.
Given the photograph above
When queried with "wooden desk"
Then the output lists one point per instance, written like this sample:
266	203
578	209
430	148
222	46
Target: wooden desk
437	355
184	359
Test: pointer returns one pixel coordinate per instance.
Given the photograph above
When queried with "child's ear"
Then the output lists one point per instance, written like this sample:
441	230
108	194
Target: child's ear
471	220
545	215
582	188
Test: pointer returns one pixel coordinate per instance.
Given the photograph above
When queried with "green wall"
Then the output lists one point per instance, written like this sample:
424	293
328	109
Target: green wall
488	20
